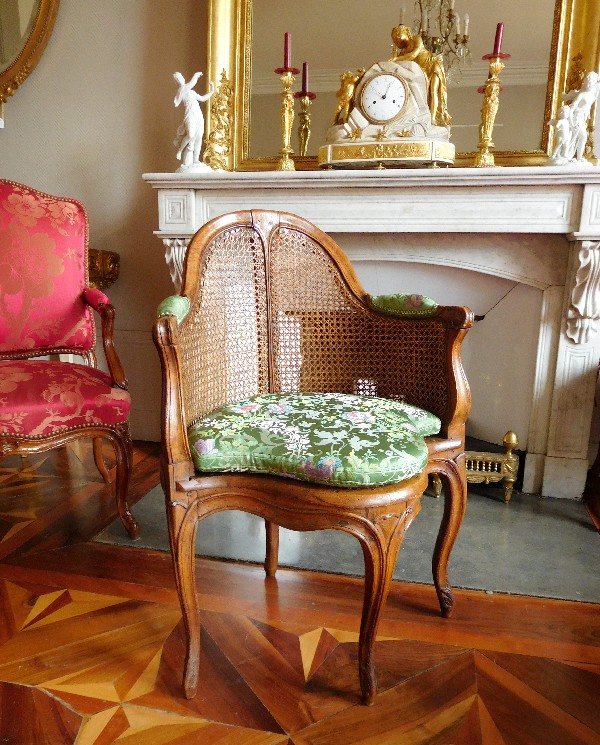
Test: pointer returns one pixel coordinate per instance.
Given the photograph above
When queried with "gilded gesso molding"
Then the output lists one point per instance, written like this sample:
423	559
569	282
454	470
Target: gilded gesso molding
583	316
228	51
575	32
219	143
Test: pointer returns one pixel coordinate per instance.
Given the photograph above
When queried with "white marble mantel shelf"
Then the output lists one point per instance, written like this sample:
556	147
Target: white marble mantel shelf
537	225
536	199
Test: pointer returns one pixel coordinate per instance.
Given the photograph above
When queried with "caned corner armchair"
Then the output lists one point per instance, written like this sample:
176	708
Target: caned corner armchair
285	388
46	318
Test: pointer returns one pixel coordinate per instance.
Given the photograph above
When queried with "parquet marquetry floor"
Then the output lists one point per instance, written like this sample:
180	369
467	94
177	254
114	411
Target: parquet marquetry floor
91	643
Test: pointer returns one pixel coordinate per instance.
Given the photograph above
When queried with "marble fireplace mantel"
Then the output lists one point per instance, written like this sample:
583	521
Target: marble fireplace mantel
507	222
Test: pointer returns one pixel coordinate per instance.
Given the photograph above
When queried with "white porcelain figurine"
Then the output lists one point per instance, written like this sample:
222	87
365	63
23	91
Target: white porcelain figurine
191	131
571	131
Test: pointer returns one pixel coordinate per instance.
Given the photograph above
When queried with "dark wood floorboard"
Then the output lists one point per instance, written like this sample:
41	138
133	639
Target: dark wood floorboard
92	643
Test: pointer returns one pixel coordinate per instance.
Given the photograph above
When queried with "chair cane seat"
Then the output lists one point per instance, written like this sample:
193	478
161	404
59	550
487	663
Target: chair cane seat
333	438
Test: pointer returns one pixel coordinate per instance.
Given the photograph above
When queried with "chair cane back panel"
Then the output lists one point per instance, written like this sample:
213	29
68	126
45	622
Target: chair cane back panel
224	350
325	339
291	297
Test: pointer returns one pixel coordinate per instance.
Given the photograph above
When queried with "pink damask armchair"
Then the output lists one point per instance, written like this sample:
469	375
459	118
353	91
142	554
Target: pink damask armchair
46	311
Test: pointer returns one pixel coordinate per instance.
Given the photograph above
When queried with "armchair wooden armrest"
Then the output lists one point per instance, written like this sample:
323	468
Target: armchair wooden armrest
97	300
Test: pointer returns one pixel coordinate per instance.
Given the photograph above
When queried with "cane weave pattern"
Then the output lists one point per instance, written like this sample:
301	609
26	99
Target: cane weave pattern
291	298
324	340
224	351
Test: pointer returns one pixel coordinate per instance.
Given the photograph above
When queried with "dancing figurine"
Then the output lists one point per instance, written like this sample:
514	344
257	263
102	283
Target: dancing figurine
191	131
571	126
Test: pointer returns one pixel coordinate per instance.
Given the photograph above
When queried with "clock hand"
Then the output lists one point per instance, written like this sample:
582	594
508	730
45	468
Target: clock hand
386	91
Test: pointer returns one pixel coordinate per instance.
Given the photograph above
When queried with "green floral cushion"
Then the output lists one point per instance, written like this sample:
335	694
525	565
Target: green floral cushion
332	438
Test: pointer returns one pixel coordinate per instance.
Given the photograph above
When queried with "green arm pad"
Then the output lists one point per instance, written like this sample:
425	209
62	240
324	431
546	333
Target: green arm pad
404	305
175	305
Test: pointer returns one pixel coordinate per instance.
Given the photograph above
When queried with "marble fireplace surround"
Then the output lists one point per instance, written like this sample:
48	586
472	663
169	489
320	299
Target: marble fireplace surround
545	225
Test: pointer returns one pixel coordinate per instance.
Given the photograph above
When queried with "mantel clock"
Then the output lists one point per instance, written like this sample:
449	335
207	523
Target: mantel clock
393	114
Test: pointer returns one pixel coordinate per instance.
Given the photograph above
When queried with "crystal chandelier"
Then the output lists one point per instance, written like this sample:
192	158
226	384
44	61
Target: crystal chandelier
439	25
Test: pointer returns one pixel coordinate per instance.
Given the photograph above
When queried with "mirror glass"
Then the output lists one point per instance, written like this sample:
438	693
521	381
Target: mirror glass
16	21
336	35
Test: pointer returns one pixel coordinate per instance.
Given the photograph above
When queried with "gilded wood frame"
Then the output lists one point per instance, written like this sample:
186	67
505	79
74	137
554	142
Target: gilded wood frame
576	31
29	56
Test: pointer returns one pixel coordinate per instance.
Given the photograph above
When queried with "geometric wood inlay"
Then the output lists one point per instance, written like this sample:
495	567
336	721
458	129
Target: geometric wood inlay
92	644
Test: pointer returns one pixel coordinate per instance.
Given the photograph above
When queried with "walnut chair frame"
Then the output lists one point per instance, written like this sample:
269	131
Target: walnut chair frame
15	443
253	280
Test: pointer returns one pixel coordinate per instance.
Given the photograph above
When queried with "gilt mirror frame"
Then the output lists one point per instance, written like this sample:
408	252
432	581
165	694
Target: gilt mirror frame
575	47
31	51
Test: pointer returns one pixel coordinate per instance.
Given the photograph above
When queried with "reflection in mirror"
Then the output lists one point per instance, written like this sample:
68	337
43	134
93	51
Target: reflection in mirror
567	44
16	21
340	35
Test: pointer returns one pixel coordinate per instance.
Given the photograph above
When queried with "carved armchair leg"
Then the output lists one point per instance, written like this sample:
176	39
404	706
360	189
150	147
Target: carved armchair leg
182	532
380	550
455	501
99	459
272	550
123	452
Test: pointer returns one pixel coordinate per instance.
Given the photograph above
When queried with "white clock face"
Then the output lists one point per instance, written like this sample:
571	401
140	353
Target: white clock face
383	98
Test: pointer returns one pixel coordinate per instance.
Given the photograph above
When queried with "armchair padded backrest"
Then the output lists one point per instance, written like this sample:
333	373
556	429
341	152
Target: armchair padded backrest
43	272
276	307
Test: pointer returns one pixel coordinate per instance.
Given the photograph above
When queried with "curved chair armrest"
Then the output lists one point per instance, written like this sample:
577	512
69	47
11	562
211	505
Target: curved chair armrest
97	300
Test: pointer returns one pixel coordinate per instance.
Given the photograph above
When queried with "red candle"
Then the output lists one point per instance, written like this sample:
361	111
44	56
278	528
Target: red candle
286	50
304	77
498	40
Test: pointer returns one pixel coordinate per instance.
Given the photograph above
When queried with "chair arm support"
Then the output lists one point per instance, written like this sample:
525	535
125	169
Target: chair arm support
173	433
97	300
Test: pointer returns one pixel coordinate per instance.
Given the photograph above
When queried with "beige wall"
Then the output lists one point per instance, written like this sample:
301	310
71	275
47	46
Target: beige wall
94	115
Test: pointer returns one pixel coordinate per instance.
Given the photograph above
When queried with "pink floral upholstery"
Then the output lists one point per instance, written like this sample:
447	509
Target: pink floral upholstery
39	397
46	309
43	272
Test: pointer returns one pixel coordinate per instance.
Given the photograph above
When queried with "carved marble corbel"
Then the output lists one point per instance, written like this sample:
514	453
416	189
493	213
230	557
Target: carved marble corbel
175	249
583	317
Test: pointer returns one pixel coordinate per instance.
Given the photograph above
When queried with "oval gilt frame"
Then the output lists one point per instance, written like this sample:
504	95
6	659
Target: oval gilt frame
29	56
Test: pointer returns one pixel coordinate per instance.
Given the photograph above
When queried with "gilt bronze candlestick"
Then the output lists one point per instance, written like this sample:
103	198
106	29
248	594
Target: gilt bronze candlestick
306	98
491	101
286	75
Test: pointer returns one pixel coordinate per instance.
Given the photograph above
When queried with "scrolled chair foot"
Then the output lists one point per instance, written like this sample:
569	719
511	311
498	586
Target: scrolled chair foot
446	600
131	526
